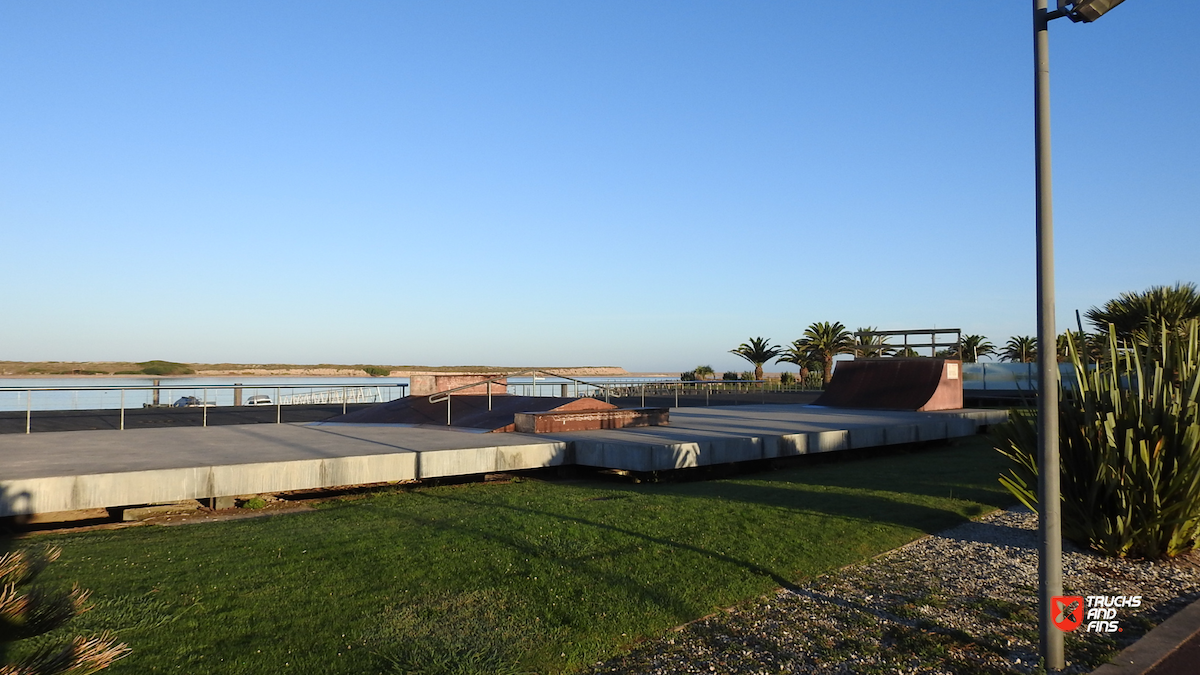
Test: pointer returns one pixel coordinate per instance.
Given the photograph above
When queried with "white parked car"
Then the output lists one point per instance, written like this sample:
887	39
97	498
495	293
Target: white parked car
259	400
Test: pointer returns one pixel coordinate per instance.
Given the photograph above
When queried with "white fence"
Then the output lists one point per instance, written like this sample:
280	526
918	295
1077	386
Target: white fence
339	395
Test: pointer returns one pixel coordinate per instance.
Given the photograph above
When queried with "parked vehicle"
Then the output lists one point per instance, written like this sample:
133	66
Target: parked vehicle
193	402
259	400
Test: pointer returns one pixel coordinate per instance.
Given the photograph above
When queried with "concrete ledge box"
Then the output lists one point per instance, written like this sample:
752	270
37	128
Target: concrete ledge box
589	420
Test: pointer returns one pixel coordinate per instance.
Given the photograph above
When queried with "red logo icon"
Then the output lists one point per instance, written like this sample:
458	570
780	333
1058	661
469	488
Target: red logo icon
1066	611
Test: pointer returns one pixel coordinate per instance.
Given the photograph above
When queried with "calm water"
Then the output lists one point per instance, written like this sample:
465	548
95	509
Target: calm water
89	394
173	388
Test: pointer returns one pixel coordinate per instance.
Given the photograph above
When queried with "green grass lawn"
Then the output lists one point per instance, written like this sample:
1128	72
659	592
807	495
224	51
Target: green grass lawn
529	576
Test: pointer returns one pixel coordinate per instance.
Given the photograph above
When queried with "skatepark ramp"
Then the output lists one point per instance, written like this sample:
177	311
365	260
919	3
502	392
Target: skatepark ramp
922	384
496	413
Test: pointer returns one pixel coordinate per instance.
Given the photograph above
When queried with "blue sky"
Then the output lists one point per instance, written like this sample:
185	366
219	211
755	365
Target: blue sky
644	184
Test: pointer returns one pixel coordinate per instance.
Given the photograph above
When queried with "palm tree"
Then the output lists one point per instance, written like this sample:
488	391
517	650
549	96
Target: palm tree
758	351
974	346
1020	349
802	356
1138	316
871	346
826	340
703	372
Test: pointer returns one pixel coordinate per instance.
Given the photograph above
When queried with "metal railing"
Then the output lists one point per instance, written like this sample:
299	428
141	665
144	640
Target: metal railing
621	388
445	395
330	392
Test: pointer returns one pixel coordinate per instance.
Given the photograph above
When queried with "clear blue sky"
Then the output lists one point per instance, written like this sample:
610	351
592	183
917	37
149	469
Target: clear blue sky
644	184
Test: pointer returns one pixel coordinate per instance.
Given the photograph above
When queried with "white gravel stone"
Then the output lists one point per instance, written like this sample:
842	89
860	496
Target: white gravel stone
961	601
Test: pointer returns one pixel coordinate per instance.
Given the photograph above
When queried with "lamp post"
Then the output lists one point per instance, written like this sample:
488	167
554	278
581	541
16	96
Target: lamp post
1049	520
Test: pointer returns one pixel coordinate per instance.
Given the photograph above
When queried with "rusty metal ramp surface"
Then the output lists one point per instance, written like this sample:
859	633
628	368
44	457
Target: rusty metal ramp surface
466	411
923	384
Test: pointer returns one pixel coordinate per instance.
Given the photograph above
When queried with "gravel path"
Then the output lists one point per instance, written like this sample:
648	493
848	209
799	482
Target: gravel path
962	601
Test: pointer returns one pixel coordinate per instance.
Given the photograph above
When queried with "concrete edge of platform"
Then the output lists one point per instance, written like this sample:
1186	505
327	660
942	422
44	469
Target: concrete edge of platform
1156	646
63	493
649	456
53	494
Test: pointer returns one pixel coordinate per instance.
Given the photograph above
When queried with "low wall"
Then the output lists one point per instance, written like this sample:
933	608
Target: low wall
432	383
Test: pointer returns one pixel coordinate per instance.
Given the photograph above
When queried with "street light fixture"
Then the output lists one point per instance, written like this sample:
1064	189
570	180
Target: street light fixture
1089	10
1049	520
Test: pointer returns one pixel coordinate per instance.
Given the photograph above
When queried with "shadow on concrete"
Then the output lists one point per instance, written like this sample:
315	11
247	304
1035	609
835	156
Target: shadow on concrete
9	525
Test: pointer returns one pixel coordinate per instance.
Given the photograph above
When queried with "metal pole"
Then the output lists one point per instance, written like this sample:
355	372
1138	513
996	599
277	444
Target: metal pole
122	410
278	404
643	394
1049	525
489	391
448	397
28	408
343	400
204	406
677	395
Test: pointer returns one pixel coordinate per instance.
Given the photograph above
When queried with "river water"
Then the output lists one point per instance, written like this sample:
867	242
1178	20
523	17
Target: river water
99	393
111	393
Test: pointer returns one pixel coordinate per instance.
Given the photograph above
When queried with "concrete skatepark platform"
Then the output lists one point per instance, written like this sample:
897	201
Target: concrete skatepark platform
67	471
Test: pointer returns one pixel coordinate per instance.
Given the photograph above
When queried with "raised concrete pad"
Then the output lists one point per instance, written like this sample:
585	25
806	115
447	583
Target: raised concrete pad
67	471
89	469
706	436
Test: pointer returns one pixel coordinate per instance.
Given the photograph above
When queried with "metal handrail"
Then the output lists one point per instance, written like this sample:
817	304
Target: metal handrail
609	389
184	387
255	385
438	397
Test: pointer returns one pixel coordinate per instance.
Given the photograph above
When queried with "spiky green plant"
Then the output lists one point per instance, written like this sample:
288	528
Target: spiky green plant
1129	449
27	610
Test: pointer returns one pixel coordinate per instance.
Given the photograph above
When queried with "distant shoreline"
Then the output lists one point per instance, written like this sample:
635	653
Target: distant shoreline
112	369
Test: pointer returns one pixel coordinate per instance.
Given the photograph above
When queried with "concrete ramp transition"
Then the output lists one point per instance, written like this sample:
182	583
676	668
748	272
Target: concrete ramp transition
921	384
467	411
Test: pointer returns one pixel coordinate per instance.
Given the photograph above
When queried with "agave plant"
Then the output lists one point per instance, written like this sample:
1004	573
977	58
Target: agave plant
28	611
1129	448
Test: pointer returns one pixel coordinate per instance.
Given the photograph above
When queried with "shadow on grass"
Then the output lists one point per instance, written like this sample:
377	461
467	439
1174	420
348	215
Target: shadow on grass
865	508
